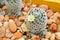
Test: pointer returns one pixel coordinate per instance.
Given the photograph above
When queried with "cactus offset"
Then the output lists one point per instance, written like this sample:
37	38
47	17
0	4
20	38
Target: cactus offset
36	21
14	7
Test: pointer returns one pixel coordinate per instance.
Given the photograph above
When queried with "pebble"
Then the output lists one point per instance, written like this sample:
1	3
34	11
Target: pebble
18	23
35	37
2	31
53	18
0	10
24	27
12	26
6	18
53	27
50	13
4	8
17	35
8	33
2	13
22	18
5	24
26	9
52	37
1	18
24	13
57	14
48	34
49	21
57	21
57	35
21	38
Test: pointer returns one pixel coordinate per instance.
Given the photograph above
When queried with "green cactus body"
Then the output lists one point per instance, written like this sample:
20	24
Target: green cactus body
37	21
1	3
14	7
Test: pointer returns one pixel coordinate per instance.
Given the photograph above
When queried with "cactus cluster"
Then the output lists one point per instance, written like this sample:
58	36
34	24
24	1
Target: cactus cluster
36	21
14	7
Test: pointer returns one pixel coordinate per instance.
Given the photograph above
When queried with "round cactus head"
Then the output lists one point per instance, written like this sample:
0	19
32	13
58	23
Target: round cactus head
36	20
14	7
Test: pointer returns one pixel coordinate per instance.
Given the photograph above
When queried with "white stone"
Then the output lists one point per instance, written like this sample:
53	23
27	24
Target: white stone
52	36
21	38
11	20
57	35
5	24
48	34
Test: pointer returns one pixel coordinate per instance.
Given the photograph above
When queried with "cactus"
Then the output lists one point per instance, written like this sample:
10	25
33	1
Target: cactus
14	7
36	21
1	3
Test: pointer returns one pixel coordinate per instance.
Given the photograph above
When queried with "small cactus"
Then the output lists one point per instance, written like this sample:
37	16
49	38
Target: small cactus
14	7
36	21
1	3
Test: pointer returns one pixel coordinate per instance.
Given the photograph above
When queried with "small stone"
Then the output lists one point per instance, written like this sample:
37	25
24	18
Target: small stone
6	18
0	10
4	8
34	5
48	34
49	21
1	18
21	38
57	14
22	18
18	23
8	33
12	26
24	28
24	13
20	29
53	18
2	31
57	35
17	34
2	13
50	13
53	27
52	37
35	37
26	9
57	21
5	24
11	17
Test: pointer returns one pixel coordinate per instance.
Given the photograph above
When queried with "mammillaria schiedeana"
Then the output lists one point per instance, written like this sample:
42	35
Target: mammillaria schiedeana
1	3
14	7
36	21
